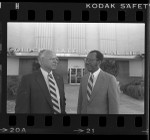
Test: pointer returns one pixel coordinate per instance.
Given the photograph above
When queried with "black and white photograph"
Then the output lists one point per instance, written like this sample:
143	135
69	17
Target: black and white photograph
0	88
75	68
0	37
0	65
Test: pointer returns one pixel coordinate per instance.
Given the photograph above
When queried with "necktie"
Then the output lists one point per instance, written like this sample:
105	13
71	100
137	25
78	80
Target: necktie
53	94
90	87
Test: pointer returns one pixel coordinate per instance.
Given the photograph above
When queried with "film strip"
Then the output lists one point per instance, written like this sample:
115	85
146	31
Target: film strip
66	28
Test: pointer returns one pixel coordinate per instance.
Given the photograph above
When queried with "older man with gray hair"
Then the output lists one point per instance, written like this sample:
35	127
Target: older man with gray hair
43	90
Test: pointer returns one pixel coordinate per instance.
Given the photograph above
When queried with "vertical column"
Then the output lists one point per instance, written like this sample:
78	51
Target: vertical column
44	36
76	37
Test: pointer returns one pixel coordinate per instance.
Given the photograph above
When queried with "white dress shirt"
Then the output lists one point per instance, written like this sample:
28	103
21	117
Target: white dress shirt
96	73
45	75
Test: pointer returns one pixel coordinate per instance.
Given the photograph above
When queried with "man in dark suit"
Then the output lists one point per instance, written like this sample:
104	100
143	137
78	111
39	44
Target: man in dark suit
43	90
98	93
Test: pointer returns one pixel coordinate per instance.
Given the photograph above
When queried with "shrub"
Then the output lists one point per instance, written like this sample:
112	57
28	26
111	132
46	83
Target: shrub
110	66
134	89
12	85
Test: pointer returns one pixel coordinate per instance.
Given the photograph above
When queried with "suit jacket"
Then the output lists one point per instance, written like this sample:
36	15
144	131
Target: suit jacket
104	98
33	95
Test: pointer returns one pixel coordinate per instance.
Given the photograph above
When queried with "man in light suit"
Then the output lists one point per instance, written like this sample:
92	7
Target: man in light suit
98	93
43	90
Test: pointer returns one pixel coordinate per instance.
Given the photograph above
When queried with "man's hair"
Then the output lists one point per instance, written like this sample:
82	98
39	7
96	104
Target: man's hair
41	53
99	55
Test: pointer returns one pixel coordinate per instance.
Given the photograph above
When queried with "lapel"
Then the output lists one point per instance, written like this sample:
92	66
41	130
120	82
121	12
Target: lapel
41	81
86	81
97	86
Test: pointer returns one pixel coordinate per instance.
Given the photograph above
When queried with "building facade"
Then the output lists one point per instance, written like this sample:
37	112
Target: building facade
124	44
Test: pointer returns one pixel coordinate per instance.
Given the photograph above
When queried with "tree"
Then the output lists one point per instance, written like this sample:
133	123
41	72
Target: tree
110	66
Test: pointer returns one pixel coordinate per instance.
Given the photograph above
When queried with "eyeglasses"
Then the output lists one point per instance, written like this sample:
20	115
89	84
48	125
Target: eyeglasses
89	60
54	59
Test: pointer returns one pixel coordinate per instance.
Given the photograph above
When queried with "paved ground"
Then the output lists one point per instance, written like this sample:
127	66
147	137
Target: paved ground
127	105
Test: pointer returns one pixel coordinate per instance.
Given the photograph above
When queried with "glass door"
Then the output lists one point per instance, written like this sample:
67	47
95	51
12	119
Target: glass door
73	76
76	75
79	75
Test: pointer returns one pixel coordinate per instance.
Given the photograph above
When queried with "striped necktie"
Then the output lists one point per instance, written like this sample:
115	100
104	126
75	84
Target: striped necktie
90	87
53	94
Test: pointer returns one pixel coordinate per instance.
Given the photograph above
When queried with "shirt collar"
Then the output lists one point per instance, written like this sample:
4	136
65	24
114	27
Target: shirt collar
95	74
45	72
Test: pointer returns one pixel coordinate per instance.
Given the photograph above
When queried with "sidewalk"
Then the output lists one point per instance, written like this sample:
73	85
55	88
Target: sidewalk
128	105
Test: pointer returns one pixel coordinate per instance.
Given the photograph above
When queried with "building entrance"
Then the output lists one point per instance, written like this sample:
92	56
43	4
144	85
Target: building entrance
75	75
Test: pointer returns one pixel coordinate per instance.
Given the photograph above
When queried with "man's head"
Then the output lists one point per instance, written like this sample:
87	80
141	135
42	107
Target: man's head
93	60
48	60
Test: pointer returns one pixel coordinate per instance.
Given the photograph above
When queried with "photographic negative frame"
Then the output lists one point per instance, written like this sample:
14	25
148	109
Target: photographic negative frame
67	13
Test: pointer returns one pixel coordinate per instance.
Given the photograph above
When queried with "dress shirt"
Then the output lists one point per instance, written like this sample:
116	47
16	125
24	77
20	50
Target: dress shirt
45	75
96	73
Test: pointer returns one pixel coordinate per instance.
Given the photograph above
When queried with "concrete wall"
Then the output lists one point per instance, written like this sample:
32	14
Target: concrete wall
128	70
25	66
136	68
12	66
124	75
76	63
78	37
21	36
